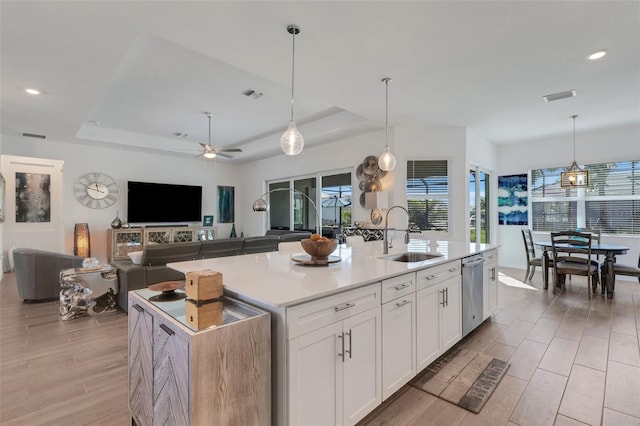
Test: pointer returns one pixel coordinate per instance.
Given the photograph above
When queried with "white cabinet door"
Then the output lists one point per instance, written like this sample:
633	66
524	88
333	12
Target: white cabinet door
315	377
428	307
491	277
451	313
362	366
399	343
490	284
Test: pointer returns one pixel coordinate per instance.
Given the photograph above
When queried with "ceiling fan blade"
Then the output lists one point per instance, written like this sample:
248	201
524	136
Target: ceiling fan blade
223	155
229	150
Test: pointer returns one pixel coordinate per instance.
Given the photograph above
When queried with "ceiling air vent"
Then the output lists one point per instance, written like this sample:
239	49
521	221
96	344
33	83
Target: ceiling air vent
560	95
252	93
33	135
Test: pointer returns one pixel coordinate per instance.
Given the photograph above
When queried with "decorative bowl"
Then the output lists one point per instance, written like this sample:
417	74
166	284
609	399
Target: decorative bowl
319	250
359	224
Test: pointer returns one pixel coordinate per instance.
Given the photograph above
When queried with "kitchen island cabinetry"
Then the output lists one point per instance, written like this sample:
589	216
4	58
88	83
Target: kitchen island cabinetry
398	333
335	370
315	310
438	311
181	376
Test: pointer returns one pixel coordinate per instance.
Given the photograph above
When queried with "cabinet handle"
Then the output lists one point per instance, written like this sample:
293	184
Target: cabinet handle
401	286
138	307
350	342
430	277
404	302
493	273
442	303
453	269
341	354
167	330
446	293
343	307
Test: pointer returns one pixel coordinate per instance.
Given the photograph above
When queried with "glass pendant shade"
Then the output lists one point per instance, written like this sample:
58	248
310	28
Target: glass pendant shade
292	141
387	161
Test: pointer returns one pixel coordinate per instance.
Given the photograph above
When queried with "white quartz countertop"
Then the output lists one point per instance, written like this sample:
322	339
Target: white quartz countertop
275	279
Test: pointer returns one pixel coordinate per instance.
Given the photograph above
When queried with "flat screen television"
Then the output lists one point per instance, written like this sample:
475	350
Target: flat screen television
163	203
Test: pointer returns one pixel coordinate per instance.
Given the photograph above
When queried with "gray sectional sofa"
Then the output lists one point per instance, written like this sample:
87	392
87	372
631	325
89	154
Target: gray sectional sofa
38	273
152	265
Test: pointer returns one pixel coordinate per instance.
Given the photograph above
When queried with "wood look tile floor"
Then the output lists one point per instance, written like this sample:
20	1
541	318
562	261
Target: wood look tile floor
573	362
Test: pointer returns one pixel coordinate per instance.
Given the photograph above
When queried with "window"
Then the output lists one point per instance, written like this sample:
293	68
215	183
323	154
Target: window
611	203
428	194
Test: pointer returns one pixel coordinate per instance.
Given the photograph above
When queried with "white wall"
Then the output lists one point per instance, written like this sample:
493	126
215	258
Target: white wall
406	143
622	143
123	165
484	154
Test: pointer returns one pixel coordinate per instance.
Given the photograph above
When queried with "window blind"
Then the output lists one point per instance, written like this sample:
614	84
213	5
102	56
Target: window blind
428	194
611	203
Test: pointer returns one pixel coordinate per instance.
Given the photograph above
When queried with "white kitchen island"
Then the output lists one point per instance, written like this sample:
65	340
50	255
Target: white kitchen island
347	335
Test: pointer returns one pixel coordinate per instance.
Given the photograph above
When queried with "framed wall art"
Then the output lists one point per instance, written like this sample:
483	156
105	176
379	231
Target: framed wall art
226	208
513	200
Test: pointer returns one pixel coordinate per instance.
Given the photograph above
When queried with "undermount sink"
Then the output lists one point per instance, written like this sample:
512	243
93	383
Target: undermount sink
412	257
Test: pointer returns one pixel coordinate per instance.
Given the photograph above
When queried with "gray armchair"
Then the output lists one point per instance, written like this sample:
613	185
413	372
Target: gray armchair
38	273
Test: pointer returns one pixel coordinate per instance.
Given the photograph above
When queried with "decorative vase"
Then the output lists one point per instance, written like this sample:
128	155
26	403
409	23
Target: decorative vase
125	224
233	231
116	223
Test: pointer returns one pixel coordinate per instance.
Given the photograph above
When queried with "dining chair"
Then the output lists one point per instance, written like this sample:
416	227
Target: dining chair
628	270
595	238
532	259
572	256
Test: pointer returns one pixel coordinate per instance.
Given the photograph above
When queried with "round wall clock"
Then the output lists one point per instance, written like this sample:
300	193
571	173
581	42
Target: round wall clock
96	190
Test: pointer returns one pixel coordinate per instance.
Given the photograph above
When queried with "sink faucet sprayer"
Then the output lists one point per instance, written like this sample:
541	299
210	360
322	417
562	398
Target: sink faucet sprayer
385	242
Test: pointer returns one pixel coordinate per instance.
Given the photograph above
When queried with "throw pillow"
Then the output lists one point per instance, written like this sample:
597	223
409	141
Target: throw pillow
136	257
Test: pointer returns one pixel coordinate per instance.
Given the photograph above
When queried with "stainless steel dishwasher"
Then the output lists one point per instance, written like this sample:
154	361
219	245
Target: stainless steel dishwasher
472	283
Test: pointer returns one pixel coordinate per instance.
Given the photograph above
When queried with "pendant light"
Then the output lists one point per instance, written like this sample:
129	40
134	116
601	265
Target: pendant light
292	141
386	161
574	177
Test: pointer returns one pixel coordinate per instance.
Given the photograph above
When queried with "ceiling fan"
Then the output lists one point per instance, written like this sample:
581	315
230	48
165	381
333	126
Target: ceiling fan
210	152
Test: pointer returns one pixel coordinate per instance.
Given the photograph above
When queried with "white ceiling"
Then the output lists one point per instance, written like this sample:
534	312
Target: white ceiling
135	73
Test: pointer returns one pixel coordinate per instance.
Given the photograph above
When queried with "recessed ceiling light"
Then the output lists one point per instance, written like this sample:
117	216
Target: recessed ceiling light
597	55
32	91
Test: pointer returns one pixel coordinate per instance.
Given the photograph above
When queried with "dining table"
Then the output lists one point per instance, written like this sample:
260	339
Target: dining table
609	251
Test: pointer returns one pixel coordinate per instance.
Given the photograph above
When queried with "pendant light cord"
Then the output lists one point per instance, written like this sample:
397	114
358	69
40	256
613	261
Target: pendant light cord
574	137
386	114
293	68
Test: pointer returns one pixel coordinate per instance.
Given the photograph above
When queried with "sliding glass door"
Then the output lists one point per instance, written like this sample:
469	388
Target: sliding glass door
479	206
291	207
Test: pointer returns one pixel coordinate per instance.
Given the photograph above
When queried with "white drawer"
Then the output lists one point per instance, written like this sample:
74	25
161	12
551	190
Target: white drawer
491	256
431	276
395	287
311	316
